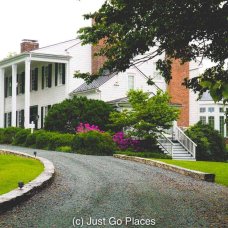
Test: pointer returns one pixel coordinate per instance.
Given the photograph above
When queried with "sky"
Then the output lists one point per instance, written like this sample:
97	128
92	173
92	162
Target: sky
48	21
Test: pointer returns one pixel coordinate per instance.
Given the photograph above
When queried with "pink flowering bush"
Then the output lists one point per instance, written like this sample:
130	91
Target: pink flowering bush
125	143
82	128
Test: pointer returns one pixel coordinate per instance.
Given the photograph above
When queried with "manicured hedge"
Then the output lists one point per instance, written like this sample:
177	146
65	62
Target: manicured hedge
93	143
20	137
7	135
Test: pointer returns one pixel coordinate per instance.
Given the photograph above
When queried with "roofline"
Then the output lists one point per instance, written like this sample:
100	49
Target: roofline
84	91
21	56
56	44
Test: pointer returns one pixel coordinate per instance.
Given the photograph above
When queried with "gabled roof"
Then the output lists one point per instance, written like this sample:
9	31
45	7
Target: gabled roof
93	85
206	97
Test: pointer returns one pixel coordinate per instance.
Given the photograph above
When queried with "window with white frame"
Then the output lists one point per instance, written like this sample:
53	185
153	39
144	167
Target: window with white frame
8	86
221	125
131	81
203	119
211	109
21	83
202	110
221	109
20	118
7	119
34	79
211	121
59	74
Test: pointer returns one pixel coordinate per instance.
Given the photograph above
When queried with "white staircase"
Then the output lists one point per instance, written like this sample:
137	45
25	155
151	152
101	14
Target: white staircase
178	145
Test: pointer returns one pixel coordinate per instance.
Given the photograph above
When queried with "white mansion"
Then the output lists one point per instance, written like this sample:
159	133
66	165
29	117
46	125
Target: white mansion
31	82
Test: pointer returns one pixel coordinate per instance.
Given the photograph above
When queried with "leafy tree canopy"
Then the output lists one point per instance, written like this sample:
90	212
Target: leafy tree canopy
148	116
181	29
67	115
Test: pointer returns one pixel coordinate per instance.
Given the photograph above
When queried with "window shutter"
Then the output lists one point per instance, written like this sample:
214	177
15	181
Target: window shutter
6	86
5	119
9	119
63	73
49	106
23	82
56	74
22	118
42	116
42	77
36	79
49	75
16	118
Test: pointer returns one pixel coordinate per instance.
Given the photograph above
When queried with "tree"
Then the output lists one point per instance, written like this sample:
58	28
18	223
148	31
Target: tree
67	115
182	30
148	116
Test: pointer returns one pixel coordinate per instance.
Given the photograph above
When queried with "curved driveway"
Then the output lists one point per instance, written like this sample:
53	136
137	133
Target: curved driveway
105	187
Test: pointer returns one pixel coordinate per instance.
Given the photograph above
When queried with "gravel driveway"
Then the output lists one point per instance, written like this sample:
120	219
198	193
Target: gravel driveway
110	191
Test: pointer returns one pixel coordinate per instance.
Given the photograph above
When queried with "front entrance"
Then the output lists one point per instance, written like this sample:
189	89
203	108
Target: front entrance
34	115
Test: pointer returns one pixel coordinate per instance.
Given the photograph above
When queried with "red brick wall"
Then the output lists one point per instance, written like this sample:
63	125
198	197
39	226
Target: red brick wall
29	46
97	61
179	93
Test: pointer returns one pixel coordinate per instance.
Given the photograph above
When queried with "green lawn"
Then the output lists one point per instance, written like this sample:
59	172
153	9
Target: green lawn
220	169
14	169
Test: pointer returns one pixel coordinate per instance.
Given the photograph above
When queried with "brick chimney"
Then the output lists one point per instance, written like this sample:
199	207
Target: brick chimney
29	45
97	61
179	93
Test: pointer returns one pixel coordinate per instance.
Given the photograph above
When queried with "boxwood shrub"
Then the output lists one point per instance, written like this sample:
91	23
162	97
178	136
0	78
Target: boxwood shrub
60	140
42	139
7	135
20	137
93	143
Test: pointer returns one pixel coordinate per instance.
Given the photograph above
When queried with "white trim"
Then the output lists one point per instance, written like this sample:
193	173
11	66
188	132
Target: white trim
14	95
2	97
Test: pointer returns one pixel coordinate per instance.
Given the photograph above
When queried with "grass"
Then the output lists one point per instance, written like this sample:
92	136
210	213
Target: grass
220	169
15	168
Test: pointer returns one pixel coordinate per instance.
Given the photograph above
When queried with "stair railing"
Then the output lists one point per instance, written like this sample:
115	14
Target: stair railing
165	143
185	141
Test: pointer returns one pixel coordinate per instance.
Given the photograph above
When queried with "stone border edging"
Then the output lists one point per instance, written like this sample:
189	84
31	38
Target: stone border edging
16	196
187	172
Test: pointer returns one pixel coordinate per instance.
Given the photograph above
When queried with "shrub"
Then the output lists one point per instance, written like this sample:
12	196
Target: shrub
125	143
20	137
93	143
67	149
145	154
31	140
59	140
7	134
210	144
65	116
42	140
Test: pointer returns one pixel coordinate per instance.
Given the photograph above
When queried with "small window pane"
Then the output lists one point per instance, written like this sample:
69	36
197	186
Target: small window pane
211	109
202	110
221	109
203	119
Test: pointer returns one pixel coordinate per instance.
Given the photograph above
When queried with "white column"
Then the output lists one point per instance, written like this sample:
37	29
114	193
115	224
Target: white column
27	94
2	97
67	73
14	94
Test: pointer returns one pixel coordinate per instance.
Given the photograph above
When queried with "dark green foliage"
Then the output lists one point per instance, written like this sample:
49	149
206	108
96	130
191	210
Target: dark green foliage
42	140
181	29
93	143
66	116
7	135
210	144
67	149
59	140
20	137
149	115
145	154
31	140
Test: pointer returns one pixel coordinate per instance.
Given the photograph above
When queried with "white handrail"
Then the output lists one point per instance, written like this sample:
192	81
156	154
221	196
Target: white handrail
166	143
185	141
